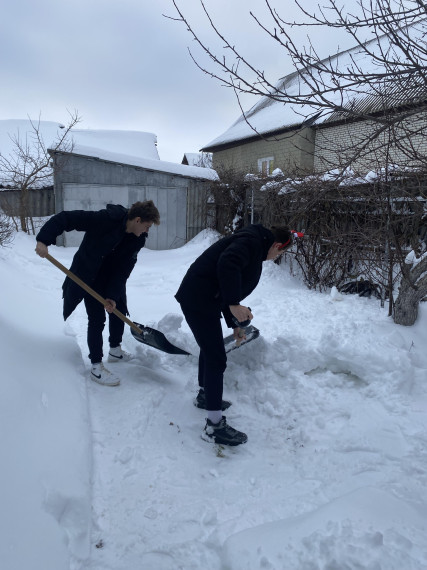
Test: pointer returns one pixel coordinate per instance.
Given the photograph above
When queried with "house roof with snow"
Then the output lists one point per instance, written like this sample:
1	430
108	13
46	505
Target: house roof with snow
272	115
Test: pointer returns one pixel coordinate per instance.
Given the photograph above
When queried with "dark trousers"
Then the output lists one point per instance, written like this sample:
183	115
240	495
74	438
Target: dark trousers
96	321
207	330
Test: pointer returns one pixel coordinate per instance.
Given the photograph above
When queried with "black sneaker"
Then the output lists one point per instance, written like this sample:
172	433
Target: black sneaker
200	402
223	433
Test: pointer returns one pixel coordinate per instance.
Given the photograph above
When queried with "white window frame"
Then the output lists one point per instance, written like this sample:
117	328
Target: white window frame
268	160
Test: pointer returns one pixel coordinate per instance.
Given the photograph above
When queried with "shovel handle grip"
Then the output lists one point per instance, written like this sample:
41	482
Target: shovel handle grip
89	290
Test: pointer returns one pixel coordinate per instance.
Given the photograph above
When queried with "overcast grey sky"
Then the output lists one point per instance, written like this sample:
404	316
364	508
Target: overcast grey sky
123	65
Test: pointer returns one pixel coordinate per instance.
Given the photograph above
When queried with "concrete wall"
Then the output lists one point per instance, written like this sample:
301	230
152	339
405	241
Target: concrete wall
293	151
88	183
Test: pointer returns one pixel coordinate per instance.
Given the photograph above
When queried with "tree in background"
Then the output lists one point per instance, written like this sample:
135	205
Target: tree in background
6	230
383	83
28	166
389	34
205	160
228	200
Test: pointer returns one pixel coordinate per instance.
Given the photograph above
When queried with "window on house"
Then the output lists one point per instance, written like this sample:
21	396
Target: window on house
266	165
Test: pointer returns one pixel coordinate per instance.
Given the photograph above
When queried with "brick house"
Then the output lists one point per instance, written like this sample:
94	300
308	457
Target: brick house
278	136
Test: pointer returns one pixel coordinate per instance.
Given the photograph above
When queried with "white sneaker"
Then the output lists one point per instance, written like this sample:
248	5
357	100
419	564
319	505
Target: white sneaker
117	354
100	374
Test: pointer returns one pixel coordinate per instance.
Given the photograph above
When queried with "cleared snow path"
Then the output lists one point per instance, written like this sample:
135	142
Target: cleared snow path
333	399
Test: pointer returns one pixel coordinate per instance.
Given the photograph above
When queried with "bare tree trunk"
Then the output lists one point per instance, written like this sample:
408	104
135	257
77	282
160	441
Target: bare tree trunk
390	290
23	199
410	294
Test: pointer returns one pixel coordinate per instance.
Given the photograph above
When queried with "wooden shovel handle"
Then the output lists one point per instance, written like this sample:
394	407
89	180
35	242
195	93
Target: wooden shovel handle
89	290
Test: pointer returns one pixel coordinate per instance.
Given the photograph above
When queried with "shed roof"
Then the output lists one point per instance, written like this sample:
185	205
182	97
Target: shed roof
137	143
147	163
136	148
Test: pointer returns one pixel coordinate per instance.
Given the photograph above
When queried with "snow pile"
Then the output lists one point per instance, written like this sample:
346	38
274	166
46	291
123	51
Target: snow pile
44	421
333	397
352	531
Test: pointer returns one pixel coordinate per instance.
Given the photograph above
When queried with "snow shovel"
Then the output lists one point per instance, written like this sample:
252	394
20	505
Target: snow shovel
246	333
141	333
231	343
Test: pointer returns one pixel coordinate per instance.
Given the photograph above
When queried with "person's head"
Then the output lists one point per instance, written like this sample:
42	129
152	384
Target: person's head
282	240
141	216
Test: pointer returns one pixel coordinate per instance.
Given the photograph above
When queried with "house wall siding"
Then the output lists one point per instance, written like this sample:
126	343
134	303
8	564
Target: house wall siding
328	147
292	151
335	146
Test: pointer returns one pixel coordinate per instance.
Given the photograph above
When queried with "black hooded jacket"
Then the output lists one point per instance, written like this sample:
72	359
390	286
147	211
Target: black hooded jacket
227	272
106	256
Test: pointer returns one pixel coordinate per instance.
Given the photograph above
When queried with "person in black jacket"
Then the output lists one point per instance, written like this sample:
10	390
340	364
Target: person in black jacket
104	261
227	272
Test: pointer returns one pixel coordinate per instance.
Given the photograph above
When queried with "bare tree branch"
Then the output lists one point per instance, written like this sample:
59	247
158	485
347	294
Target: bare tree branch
381	85
28	165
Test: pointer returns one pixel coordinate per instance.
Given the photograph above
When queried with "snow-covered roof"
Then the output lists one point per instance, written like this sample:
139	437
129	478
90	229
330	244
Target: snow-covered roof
269	115
136	148
148	163
135	143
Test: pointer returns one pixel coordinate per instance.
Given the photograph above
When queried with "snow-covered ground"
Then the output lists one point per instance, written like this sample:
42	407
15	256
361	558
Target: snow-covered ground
333	397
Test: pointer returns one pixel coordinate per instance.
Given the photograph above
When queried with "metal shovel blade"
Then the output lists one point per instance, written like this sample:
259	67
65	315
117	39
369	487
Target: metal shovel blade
143	334
155	339
230	342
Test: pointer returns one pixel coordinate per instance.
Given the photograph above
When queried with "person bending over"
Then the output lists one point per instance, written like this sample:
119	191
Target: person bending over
219	279
104	261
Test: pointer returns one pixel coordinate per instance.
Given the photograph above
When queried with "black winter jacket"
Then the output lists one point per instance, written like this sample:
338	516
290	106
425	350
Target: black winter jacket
227	272
106	256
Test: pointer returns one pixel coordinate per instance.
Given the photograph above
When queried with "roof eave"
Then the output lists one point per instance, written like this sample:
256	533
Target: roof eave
253	138
126	164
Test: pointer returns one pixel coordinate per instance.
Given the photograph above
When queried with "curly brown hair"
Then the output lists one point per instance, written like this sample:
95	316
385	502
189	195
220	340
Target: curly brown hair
147	211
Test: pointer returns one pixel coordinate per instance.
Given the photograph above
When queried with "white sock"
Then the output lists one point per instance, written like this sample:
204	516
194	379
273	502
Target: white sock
215	416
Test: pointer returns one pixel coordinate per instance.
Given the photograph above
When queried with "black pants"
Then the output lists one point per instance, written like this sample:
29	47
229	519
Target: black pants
207	330
96	321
